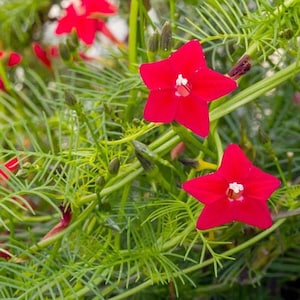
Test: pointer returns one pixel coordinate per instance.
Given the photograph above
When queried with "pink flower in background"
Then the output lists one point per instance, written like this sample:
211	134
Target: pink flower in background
84	18
181	87
237	191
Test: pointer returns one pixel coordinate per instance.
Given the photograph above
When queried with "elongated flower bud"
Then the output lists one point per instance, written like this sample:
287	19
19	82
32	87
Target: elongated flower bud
240	68
143	154
166	39
64	52
153	46
114	166
70	99
197	164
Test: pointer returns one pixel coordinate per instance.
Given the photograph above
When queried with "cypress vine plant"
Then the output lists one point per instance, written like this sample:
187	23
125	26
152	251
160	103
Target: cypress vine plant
92	204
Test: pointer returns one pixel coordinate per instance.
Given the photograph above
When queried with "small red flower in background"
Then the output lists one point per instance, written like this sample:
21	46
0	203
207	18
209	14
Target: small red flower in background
45	55
181	86
64	222
237	191
84	19
10	166
12	59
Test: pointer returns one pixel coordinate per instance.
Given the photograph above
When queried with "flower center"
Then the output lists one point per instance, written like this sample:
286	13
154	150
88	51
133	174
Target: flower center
235	191
183	87
80	10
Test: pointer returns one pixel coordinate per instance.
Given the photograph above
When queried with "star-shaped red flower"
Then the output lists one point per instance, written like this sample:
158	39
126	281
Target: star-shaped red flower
237	191
84	19
181	86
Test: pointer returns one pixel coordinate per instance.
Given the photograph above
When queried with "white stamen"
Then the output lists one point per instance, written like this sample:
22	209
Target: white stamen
236	187
181	80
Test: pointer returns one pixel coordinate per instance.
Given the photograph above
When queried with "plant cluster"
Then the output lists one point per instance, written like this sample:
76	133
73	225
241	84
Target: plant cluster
117	116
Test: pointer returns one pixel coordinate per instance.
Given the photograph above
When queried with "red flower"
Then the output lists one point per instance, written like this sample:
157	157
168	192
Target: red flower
13	59
237	191
83	19
180	87
10	166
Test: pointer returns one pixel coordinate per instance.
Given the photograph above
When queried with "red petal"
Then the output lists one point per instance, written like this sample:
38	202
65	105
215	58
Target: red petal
188	58
68	21
260	185
53	51
161	106
211	85
215	214
64	222
41	54
193	114
207	189
2	87
12	164
158	75
5	254
99	6
253	212
14	59
86	29
235	166
2	173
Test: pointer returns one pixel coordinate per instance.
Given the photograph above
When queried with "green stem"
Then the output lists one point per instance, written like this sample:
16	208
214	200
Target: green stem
172	11
132	54
86	121
132	42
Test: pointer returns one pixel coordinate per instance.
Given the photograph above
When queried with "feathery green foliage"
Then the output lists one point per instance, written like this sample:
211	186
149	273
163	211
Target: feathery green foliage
132	233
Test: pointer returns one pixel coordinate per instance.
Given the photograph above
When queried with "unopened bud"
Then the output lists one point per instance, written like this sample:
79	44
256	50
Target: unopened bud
153	46
100	181
64	52
143	154
27	165
26	169
263	137
70	99
73	40
136	122
240	68
198	164
71	45
22	173
287	33
166	39
114	166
